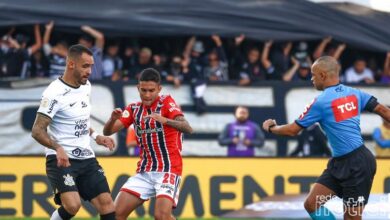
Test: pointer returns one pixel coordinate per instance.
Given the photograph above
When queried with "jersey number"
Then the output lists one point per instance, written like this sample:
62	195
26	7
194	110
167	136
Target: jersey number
169	177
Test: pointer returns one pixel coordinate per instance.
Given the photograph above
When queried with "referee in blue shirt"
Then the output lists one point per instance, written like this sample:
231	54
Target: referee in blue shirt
351	170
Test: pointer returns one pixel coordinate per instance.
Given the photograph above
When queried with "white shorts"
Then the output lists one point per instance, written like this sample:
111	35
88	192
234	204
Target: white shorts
146	185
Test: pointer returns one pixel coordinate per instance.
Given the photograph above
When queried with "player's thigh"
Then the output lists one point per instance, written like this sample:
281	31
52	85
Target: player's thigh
61	179
71	201
103	203
92	182
125	203
163	207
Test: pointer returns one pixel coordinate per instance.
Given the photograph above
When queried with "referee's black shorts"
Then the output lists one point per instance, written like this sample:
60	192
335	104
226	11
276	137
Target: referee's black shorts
350	176
84	176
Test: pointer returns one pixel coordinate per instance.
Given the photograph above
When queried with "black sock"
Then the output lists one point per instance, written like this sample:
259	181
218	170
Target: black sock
64	214
109	216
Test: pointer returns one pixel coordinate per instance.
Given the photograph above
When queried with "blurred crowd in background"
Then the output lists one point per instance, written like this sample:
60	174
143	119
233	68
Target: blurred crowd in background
42	52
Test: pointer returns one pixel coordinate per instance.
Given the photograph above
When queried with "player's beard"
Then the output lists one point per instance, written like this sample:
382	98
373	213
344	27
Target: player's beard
80	80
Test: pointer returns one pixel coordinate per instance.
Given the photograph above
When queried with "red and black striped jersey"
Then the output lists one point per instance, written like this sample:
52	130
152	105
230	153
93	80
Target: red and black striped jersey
160	144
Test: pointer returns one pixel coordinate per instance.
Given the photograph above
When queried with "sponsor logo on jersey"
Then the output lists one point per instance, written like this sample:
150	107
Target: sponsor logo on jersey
148	131
82	152
81	127
68	180
72	104
345	108
52	104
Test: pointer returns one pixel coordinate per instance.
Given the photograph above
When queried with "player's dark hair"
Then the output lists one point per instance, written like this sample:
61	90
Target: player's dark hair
77	50
150	74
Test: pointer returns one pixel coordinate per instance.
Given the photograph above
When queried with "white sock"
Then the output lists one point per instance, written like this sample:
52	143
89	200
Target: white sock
55	215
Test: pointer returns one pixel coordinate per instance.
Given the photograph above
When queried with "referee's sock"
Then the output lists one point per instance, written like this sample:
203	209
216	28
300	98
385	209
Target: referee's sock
109	216
322	213
61	214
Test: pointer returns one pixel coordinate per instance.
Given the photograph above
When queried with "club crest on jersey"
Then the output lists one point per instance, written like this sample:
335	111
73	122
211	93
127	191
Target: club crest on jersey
68	180
125	114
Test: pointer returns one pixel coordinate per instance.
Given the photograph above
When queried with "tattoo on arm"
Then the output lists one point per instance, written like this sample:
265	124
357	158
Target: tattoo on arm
181	124
39	132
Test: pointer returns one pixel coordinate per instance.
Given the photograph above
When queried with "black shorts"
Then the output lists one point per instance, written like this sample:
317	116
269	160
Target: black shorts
350	176
84	176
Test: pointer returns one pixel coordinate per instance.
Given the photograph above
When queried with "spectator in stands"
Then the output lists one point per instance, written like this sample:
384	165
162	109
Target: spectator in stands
144	61
217	68
359	73
16	54
299	71
312	142
56	55
175	73
97	49
39	65
280	62
193	55
129	60
385	78
381	137
241	136
236	59
325	48
252	69
301	52
112	63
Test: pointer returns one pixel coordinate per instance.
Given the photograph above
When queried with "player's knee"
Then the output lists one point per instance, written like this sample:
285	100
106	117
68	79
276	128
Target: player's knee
73	207
107	205
160	214
310	205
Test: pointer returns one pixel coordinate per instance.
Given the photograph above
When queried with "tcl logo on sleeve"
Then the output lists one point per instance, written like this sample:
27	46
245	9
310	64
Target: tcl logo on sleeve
345	108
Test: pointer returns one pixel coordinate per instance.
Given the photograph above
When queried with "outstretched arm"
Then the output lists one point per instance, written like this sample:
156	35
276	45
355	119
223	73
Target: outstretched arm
102	140
383	111
38	40
288	129
39	133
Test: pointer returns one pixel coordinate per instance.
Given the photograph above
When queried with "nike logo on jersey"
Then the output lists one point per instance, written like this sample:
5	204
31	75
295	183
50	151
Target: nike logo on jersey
345	108
72	104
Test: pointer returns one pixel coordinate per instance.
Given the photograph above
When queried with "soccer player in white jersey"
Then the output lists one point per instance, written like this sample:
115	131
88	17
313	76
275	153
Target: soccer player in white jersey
71	165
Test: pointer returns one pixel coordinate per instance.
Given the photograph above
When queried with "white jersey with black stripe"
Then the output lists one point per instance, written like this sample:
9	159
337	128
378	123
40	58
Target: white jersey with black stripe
69	109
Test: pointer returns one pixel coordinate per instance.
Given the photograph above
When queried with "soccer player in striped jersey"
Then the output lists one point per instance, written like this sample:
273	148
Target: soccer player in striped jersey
159	124
351	170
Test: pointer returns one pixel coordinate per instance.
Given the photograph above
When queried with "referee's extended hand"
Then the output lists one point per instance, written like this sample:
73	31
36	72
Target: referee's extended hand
268	123
62	158
105	141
